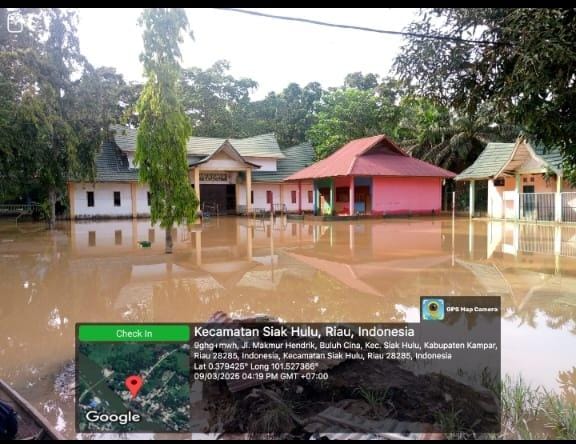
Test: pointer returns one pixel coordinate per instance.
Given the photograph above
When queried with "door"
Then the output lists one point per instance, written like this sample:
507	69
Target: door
528	203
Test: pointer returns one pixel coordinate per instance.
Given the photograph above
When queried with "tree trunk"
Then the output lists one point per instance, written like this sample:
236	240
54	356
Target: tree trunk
52	209
169	240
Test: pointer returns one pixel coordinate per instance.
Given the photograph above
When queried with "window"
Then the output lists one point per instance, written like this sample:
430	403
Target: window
499	182
148	198
116	198
269	197
251	197
90	198
310	196
293	193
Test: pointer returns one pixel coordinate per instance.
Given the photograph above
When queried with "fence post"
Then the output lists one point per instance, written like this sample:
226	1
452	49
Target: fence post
558	199
472	197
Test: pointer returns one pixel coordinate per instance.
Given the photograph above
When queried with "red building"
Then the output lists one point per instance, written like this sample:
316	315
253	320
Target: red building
374	176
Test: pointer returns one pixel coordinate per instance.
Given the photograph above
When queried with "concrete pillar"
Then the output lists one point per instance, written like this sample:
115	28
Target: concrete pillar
332	197
472	193
248	190
314	199
197	185
351	198
299	196
517	190
281	199
133	186
72	200
491	191
558	199
237	193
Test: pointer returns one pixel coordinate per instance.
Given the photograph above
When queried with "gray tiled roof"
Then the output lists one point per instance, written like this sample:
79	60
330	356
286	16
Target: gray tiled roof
552	157
489	162
297	158
264	145
112	165
495	156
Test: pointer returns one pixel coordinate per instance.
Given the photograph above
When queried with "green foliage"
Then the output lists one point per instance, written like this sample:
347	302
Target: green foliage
215	101
351	113
526	74
430	132
164	128
51	126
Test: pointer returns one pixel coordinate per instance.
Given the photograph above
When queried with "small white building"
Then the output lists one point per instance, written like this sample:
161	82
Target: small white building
524	183
230	176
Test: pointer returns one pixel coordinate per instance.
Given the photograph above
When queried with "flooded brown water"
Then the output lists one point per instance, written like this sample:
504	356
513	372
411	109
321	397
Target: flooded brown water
298	271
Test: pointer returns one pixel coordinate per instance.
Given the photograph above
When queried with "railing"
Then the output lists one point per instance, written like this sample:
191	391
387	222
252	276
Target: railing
568	206
19	210
536	239
537	206
210	209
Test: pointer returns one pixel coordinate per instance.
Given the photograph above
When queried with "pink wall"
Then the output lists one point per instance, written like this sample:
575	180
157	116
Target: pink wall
403	194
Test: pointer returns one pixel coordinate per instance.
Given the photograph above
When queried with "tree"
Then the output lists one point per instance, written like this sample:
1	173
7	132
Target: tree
352	113
431	133
358	80
61	120
524	67
215	101
164	127
295	108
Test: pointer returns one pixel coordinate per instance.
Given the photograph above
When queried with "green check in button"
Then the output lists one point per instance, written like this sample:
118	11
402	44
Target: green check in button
133	333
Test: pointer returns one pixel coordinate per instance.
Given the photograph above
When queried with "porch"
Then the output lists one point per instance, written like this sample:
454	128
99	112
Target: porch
523	184
533	198
342	196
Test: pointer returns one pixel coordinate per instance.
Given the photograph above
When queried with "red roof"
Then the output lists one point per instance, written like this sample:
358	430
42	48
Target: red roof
370	156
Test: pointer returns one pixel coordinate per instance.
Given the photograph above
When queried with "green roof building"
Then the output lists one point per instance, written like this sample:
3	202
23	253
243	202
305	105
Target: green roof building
524	183
230	176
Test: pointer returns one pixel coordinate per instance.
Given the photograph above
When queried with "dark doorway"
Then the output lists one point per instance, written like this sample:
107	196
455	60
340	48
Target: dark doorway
222	197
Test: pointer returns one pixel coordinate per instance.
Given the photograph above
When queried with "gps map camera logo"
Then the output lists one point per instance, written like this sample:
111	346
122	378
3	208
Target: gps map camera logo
15	22
433	309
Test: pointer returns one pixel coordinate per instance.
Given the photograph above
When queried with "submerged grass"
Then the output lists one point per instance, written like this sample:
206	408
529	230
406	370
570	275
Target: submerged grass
533	413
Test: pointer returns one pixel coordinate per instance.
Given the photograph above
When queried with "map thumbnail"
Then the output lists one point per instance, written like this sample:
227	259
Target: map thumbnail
110	400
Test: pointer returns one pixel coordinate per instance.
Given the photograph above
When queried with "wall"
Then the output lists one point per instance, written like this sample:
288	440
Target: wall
266	164
293	207
260	195
142	207
406	194
501	199
103	199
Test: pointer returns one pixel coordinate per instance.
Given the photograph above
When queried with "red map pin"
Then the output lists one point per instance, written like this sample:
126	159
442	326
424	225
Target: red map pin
134	384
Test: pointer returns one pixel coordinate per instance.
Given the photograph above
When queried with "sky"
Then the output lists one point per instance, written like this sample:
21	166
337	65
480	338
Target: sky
272	52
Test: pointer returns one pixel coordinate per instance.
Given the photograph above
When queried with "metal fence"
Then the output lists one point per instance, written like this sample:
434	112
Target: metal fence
537	206
569	207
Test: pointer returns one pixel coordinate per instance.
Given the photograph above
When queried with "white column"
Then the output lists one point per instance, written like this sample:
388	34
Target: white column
248	190
517	197
351	199
491	191
472	200
558	199
197	184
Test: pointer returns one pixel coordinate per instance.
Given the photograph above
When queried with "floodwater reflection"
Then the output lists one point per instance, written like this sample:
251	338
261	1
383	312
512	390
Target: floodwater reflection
297	271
